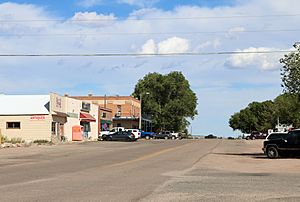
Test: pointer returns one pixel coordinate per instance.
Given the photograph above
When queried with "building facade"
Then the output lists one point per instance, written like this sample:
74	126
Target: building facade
105	119
125	109
46	117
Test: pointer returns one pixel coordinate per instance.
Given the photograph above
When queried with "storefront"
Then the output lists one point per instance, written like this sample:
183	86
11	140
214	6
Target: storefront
45	117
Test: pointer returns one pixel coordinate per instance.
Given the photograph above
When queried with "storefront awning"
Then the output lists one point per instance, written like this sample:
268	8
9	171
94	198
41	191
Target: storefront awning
106	121
86	117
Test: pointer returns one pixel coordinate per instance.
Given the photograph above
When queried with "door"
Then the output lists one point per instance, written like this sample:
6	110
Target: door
118	135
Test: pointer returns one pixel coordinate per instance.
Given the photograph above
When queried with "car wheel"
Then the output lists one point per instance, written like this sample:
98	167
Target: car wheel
147	137
272	152
166	138
253	138
173	138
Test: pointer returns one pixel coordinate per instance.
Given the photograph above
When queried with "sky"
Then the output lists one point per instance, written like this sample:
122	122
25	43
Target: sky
223	83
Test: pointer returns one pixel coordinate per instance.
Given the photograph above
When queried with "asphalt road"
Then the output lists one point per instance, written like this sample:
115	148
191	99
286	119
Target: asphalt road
155	170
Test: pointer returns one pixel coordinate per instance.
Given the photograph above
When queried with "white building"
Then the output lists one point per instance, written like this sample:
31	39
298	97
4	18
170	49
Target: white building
46	117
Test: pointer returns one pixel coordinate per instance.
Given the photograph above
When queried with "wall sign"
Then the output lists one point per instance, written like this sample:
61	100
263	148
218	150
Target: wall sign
37	117
86	106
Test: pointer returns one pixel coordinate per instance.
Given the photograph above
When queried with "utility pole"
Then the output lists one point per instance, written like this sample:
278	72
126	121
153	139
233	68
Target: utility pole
140	119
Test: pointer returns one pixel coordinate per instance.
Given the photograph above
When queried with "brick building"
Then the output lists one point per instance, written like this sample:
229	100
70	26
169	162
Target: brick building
125	109
105	116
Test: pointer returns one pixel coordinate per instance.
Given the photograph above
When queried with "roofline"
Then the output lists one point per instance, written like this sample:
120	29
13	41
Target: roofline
103	97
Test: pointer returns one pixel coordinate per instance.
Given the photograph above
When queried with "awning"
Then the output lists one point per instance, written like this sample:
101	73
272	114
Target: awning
86	117
106	121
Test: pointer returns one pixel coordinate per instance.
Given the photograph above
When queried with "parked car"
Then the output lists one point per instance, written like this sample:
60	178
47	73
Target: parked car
174	135
136	132
256	135
210	136
148	135
282	145
164	135
107	132
120	136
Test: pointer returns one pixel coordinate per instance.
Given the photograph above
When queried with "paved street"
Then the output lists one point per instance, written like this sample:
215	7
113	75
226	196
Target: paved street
155	170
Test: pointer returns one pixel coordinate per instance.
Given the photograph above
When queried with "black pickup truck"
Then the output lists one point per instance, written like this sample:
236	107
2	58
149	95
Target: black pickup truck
284	145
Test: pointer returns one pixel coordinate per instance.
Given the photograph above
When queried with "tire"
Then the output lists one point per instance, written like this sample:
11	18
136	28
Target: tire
147	137
272	152
173	137
166	138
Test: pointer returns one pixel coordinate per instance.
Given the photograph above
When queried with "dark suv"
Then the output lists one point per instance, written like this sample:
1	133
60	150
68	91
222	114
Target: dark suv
164	135
283	145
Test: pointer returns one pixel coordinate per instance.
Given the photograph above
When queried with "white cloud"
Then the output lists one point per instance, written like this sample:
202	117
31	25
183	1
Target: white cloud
170	45
215	43
235	32
264	61
92	18
173	45
149	47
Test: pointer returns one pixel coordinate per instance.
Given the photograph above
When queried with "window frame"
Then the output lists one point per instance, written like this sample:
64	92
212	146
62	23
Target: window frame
13	122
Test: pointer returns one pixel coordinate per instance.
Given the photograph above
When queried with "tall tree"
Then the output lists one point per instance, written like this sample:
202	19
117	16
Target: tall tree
287	109
168	98
255	117
290	72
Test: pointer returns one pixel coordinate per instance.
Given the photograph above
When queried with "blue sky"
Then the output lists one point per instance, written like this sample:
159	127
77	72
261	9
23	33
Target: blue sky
121	9
223	83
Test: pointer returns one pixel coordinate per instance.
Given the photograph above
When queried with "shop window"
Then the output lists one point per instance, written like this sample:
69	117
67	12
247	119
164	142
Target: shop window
13	125
103	115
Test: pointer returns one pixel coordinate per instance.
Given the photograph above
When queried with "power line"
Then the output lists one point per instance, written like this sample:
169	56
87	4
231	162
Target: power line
143	54
149	33
149	19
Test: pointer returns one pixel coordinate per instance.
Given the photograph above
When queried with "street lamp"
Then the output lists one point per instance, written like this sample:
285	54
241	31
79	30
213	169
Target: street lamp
140	120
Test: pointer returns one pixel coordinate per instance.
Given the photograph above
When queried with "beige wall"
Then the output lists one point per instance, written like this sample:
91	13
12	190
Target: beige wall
33	127
64	110
73	110
57	103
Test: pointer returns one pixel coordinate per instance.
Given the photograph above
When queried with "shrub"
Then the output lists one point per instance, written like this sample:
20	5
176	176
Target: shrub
4	139
16	140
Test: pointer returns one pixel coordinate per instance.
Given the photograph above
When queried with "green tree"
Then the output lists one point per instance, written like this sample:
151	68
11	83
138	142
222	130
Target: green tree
290	72
170	100
255	117
287	109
